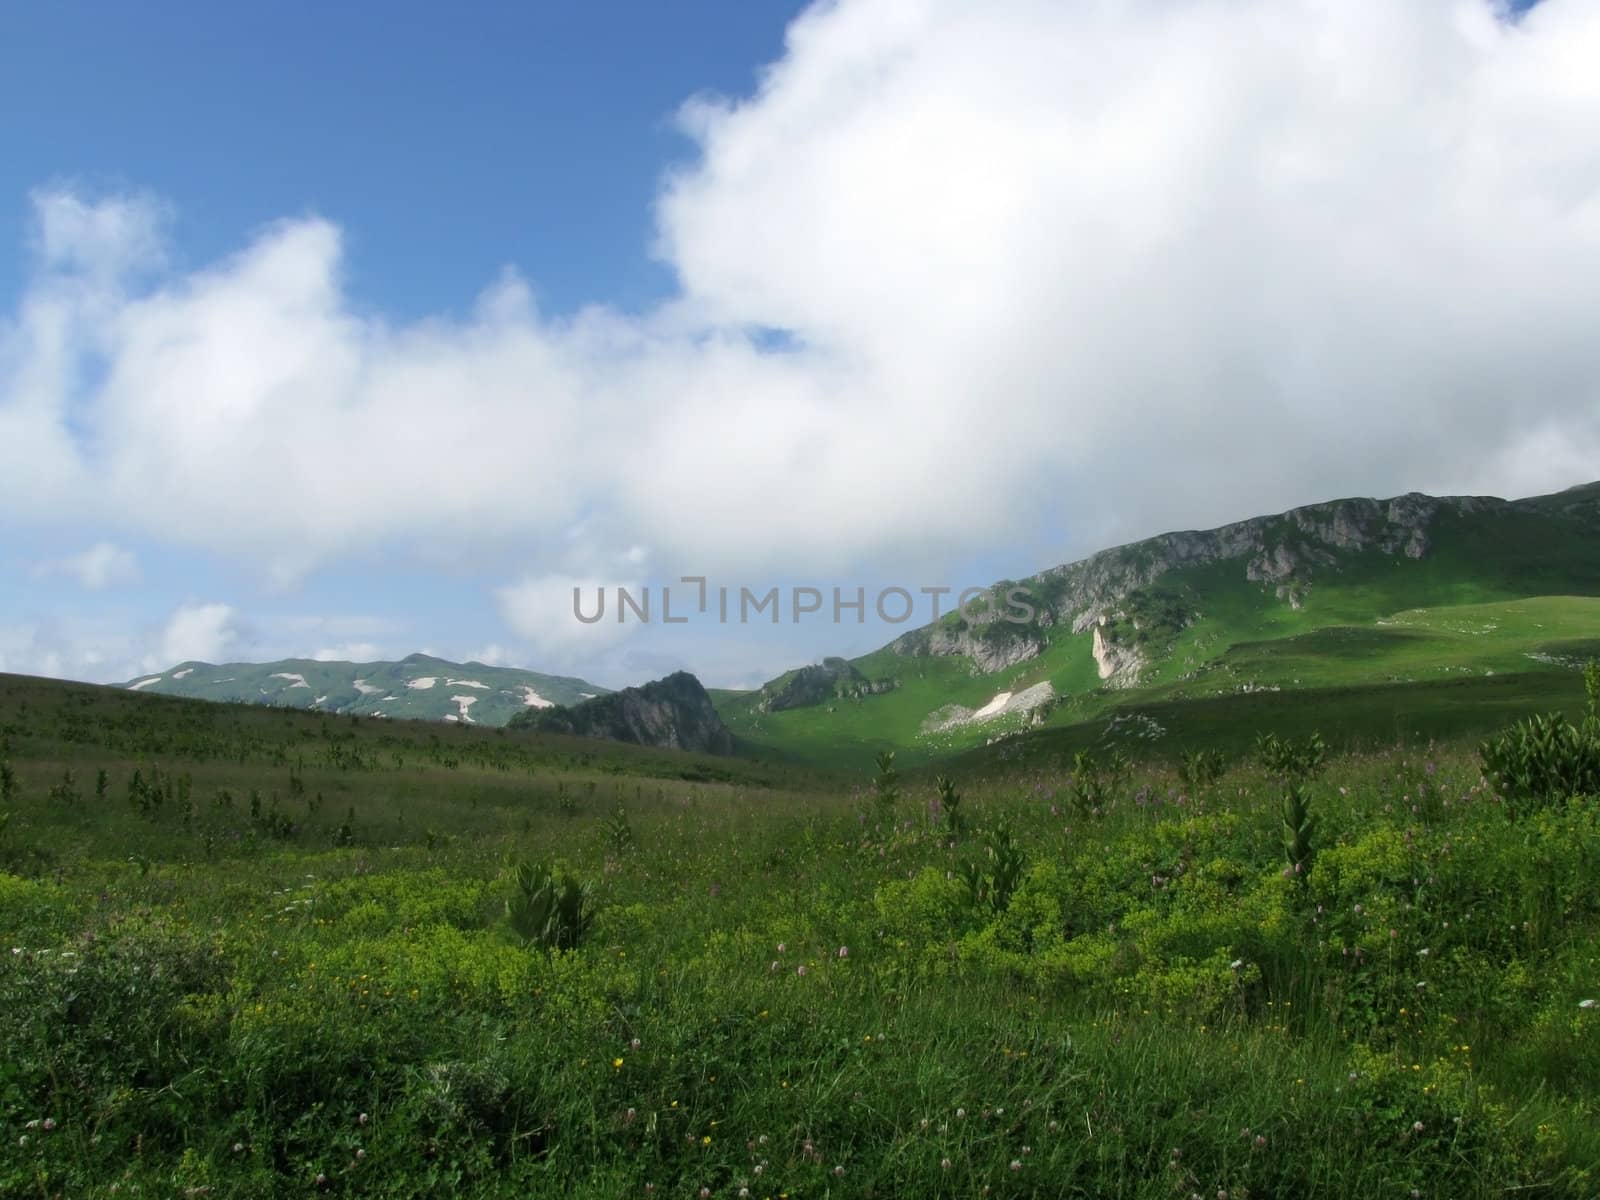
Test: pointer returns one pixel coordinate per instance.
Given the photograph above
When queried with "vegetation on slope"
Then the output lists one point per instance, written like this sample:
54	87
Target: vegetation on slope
800	990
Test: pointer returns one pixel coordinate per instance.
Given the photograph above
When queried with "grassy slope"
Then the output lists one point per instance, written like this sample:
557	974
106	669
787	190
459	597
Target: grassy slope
194	1005
1376	619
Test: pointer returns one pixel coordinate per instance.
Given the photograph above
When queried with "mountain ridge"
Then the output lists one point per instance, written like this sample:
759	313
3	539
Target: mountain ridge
1202	612
418	687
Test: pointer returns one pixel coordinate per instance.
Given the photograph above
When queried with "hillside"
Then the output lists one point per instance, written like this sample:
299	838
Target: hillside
1351	592
674	713
418	687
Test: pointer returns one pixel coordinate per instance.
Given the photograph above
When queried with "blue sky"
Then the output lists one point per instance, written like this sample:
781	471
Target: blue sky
323	334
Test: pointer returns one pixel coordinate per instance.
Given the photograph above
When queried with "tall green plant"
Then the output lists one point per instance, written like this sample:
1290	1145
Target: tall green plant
546	912
886	787
1201	768
991	883
955	821
1296	764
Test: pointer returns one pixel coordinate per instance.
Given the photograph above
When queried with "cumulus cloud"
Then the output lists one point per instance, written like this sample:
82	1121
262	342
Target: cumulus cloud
197	632
349	652
101	566
1125	267
542	610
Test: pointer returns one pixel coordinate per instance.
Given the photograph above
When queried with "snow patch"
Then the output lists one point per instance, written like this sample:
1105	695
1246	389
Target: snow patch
294	680
587	695
466	683
183	674
319	700
423	684
532	699
366	689
144	683
463	703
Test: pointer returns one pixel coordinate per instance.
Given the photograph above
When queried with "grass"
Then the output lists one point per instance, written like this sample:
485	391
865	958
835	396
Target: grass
787	990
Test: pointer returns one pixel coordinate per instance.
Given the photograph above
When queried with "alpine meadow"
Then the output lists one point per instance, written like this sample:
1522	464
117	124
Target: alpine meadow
453	740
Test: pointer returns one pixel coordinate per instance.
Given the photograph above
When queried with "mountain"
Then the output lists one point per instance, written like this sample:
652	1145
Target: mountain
1410	589
418	687
675	712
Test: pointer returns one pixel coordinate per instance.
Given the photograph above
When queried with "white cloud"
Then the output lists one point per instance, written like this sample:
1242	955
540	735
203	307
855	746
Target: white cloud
349	652
1131	266
492	655
542	609
100	566
201	632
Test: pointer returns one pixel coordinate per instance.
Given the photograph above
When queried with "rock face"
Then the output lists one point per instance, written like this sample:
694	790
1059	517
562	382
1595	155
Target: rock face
833	679
1119	665
674	712
989	637
1036	700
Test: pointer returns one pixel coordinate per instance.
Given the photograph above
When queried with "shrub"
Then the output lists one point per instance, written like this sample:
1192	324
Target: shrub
1546	758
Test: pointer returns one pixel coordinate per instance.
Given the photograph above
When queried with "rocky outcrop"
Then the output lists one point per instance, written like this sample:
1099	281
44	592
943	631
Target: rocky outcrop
675	713
1119	665
833	679
1036	700
987	634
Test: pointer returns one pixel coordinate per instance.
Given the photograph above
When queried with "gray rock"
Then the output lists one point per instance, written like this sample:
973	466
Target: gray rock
675	713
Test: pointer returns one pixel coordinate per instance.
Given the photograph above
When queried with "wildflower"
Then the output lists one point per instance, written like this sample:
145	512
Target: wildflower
1416	1127
705	1193
362	1119
844	951
961	1114
360	1154
744	1193
1588	1003
634	1044
1016	1164
1236	964
322	1180
944	1164
1260	1141
238	1147
800	970
706	1140
782	948
616	1064
839	1170
627	1117
759	1168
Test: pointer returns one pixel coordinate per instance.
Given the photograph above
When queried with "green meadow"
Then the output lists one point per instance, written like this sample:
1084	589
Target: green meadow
251	952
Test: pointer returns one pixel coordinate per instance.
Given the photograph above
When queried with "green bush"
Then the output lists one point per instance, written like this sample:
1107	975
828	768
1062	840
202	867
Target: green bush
1546	758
